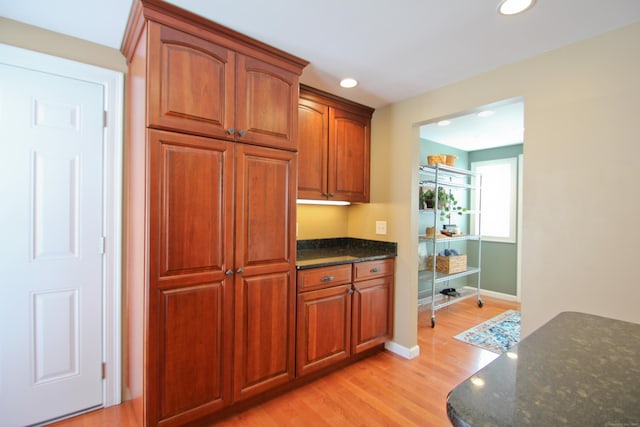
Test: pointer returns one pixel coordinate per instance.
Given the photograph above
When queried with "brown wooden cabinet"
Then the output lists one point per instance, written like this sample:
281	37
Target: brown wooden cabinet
324	317
209	215
265	269
372	304
198	85
340	316
192	239
334	144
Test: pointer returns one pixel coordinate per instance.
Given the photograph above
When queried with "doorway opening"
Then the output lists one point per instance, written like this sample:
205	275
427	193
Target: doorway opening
488	139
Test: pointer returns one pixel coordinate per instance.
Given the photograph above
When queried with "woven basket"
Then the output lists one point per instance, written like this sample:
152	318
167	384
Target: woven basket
450	159
448	264
436	158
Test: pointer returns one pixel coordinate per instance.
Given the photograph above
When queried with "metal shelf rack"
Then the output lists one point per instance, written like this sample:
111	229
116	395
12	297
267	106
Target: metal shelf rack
449	178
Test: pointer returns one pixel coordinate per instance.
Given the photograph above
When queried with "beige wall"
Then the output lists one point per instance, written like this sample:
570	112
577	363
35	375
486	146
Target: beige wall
33	38
321	222
582	145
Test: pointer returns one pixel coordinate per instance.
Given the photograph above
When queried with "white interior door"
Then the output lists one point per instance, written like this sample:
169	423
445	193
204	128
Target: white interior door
51	255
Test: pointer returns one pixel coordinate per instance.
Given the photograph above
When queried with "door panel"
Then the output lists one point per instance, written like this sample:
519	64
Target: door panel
51	133
265	269
191	83
348	156
190	294
372	313
55	334
267	97
263	333
192	358
313	147
265	208
324	328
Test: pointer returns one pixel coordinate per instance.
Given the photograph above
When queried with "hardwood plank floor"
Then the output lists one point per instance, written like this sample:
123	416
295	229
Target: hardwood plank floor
383	390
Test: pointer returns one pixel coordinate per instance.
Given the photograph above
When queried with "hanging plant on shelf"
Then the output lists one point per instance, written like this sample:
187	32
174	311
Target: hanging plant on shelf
448	205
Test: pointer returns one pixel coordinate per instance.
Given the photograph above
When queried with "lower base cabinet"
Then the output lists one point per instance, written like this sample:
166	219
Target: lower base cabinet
342	311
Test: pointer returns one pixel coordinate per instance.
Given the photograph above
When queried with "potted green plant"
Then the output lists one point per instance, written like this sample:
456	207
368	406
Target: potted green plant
430	198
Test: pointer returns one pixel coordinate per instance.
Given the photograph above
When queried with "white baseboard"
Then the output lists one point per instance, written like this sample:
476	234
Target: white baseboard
499	295
400	350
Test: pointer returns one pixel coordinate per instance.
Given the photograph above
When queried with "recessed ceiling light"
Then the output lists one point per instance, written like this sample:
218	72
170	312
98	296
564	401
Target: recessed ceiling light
512	7
486	113
348	83
444	122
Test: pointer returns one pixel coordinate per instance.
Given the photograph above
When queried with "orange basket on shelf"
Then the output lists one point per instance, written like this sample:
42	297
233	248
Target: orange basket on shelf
436	159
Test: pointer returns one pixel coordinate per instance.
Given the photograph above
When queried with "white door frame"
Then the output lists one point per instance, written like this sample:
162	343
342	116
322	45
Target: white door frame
112	81
519	225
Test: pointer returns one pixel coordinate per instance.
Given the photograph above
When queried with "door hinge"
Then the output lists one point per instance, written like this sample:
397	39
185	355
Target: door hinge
104	370
103	245
104	119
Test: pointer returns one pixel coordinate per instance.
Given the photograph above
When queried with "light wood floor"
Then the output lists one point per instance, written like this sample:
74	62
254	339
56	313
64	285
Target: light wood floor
383	390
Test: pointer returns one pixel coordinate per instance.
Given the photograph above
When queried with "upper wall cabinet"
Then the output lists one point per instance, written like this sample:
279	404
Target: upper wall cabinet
200	86
333	147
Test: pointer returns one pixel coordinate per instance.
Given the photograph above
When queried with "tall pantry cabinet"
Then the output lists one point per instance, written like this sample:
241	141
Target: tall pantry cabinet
210	184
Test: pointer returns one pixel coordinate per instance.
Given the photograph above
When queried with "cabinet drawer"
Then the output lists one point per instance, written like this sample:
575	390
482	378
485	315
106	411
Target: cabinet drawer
318	278
369	269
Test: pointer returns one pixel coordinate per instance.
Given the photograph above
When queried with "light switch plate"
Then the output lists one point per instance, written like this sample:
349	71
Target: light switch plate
381	227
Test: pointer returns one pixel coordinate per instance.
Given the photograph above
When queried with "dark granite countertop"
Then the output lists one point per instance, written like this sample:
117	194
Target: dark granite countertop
576	370
343	250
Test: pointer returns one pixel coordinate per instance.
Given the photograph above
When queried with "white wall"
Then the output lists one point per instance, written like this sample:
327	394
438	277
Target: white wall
582	145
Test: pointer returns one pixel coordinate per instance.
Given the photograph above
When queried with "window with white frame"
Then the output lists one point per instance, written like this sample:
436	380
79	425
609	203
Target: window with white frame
498	200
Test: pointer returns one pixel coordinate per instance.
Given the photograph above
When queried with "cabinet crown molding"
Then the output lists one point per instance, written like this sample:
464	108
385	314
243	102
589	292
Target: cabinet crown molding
331	100
168	14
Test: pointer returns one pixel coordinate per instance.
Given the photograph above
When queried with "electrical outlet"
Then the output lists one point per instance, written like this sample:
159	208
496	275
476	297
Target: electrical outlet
381	227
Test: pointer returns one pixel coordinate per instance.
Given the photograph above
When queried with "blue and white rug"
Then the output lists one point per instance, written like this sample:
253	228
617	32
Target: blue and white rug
498	334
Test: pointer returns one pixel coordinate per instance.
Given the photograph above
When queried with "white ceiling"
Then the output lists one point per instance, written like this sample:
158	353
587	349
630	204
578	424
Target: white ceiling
470	132
396	49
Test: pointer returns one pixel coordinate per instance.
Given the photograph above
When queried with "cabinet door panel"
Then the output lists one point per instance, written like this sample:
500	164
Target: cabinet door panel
193	355
191	201
313	147
264	312
324	328
190	187
267	99
372	313
265	208
191	83
265	253
348	156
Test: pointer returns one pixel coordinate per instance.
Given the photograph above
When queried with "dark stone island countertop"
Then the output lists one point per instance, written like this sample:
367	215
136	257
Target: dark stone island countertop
342	250
576	370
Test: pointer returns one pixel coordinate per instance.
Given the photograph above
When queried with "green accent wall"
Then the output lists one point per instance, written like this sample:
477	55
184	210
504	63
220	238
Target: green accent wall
499	260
